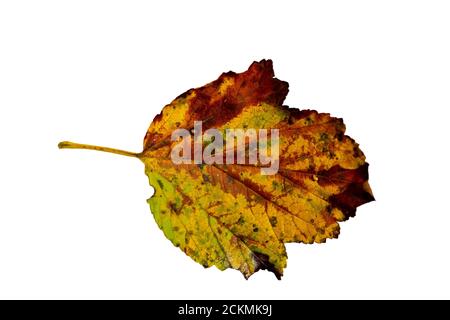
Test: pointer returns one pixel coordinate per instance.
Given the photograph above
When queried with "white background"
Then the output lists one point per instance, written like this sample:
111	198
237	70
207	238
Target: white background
75	224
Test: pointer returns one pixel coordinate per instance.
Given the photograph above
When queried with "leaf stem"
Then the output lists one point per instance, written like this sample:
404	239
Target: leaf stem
73	145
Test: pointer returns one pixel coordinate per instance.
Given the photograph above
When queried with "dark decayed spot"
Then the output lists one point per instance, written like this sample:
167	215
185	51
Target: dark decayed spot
174	208
273	221
357	152
296	114
353	196
263	263
324	137
340	176
351	182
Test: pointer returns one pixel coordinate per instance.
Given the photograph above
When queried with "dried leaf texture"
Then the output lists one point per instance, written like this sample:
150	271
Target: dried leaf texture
231	216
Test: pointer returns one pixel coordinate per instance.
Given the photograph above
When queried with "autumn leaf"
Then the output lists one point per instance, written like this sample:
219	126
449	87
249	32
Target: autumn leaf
232	215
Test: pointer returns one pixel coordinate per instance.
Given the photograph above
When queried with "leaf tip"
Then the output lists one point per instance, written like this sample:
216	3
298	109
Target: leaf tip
263	263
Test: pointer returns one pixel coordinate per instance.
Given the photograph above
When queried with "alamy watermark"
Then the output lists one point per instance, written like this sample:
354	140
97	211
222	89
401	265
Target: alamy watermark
259	147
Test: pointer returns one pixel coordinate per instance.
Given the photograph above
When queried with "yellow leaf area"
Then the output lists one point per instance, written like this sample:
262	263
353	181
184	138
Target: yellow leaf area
232	216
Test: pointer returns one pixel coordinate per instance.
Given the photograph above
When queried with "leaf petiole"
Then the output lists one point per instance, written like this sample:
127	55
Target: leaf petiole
73	145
